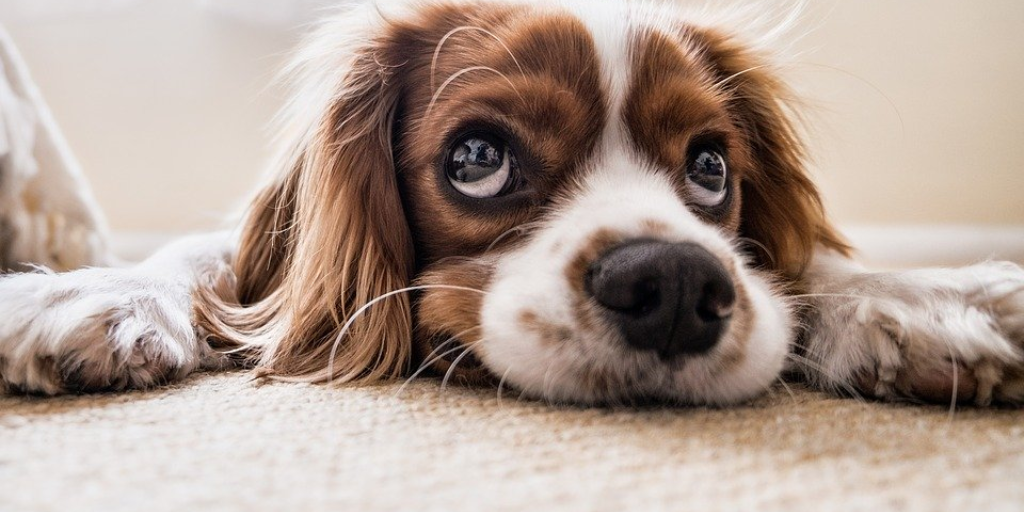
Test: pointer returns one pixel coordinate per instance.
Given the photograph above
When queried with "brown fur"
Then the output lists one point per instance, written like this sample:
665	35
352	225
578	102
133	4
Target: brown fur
725	92
359	208
781	209
323	241
451	316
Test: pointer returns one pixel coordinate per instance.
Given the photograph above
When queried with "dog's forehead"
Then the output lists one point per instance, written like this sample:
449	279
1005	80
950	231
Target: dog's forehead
614	57
540	67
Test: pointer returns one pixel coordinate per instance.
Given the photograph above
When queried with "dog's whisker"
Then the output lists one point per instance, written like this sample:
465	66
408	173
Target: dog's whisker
796	299
456	30
457	74
511	231
956	380
428	363
786	387
892	104
501	383
451	369
431	358
454	338
725	81
767	252
354	316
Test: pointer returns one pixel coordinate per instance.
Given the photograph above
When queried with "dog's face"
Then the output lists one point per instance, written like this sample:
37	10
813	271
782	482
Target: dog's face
572	191
585	175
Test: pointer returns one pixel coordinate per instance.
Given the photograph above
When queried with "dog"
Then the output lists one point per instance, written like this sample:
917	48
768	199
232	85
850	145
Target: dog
596	203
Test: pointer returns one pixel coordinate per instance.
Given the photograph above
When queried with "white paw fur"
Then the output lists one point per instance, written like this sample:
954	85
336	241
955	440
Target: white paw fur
933	334
96	329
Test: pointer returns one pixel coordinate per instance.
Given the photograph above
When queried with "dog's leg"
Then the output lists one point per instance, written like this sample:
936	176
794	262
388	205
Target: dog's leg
931	334
108	329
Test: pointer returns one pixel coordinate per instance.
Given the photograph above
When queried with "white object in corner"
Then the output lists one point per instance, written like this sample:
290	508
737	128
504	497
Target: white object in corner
47	212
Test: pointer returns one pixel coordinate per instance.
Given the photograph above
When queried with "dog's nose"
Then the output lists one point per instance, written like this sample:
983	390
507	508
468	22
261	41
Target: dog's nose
672	298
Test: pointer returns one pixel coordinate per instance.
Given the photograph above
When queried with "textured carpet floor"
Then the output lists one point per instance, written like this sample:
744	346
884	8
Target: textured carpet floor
220	442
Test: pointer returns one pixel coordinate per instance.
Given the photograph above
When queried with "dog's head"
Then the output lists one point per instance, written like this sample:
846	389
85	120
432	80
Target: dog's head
589	204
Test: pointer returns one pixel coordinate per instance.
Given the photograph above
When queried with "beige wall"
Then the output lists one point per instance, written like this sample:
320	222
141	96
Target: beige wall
920	114
918	107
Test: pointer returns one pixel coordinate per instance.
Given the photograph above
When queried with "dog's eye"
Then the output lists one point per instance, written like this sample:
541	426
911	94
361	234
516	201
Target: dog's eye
480	165
707	177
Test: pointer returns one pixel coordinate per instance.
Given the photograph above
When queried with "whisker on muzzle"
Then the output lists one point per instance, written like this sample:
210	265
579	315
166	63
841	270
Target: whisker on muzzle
432	358
352	318
451	369
501	383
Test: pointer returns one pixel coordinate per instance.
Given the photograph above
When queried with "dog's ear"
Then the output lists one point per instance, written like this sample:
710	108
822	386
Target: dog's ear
781	208
327	239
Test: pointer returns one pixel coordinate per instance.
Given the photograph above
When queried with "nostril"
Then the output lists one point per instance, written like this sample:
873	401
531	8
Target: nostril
717	301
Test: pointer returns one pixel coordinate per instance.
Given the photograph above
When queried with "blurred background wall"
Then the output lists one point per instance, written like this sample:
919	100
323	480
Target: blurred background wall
917	117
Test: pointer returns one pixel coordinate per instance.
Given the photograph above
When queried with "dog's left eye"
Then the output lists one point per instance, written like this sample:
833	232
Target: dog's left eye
707	177
480	165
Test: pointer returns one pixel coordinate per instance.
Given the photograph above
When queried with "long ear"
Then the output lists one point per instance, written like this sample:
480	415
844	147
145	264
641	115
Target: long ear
781	208
328	235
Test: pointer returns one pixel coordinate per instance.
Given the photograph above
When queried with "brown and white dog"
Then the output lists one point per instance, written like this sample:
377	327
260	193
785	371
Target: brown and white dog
592	203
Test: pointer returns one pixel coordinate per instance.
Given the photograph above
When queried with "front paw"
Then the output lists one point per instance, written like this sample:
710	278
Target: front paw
93	330
934	335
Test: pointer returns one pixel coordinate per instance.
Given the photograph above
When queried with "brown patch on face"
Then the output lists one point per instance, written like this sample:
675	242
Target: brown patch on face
548	332
670	111
781	210
447	317
588	315
540	91
654	229
715	90
576	272
525	75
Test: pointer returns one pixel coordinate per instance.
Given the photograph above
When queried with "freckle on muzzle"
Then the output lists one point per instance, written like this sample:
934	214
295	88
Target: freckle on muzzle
670	298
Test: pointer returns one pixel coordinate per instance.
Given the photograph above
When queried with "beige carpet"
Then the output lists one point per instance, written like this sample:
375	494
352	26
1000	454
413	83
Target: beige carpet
220	442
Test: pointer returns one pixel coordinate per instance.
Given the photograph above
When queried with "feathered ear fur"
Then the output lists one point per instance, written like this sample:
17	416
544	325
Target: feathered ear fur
329	234
781	208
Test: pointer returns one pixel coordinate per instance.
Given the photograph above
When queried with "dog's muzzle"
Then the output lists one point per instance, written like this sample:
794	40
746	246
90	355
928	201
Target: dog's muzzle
671	298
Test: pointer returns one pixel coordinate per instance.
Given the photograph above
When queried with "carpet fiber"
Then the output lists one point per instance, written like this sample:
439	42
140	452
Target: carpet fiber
222	442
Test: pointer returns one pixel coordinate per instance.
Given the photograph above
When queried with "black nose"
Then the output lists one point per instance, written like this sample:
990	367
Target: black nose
672	298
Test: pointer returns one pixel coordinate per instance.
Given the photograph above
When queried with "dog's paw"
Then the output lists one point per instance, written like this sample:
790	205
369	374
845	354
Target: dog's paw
933	335
95	330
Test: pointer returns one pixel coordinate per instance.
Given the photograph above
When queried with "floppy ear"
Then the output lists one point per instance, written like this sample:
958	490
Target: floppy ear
327	236
781	208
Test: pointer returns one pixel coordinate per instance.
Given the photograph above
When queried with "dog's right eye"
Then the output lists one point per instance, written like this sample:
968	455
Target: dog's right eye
480	165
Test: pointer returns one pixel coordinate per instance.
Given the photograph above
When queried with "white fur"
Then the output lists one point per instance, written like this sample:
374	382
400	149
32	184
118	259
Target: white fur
108	328
620	194
121	328
896	328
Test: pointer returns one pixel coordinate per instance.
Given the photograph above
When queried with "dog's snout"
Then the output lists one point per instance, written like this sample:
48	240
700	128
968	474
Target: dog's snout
672	298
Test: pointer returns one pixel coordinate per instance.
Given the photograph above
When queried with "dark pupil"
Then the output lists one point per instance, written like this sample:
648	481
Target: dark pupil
474	159
708	171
